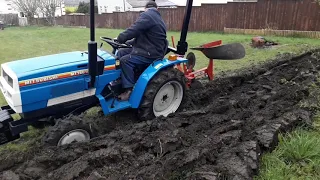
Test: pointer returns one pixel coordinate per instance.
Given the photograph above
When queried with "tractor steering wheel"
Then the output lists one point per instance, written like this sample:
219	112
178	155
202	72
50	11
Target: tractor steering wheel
114	43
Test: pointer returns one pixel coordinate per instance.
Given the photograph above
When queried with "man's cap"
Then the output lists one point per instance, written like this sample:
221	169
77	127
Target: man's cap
151	4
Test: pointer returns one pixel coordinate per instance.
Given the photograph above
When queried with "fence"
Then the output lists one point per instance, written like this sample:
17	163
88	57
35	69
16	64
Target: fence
300	15
10	19
268	32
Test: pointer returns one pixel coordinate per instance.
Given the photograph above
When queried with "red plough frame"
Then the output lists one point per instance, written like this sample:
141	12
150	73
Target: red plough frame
206	71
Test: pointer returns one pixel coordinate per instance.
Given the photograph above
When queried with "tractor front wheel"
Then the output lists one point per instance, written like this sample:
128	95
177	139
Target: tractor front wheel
164	94
67	131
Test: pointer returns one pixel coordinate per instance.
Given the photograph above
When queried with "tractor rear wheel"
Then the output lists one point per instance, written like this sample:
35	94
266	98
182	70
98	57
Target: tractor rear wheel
67	131
163	95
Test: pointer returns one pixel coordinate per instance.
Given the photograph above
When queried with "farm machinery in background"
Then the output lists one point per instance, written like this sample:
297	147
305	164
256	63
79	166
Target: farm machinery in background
1	25
47	88
261	42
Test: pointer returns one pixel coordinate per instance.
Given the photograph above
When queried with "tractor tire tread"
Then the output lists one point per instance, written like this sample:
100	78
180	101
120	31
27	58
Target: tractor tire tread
145	111
62	126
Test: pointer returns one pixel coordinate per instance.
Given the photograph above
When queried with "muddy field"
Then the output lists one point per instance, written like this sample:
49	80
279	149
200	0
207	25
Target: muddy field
220	133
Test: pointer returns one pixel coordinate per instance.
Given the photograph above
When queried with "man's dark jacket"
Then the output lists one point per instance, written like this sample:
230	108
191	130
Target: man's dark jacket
149	32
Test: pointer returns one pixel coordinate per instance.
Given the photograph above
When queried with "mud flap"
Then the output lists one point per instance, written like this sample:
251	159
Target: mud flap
5	131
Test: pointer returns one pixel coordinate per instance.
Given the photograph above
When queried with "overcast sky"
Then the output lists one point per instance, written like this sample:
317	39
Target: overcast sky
198	2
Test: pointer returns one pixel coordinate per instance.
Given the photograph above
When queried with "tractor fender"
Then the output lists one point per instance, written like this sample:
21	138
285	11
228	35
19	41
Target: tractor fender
146	76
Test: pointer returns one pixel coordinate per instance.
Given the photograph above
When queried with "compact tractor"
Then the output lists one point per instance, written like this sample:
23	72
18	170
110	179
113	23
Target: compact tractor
54	86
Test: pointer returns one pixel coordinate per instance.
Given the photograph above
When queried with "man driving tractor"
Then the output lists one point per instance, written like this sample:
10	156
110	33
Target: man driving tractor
149	43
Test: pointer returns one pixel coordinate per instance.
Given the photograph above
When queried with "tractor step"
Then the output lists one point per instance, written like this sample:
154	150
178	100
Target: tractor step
112	105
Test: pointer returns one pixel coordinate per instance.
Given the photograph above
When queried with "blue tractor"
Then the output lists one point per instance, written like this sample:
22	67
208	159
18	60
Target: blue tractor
69	83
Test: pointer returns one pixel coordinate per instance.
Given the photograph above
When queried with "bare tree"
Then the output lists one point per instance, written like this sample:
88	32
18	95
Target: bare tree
48	9
28	7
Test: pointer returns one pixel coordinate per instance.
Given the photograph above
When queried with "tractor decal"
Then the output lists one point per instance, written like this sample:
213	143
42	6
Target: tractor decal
110	67
59	76
40	80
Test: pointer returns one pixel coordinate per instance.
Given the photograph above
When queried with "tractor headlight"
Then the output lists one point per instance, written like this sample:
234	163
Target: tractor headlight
10	88
8	79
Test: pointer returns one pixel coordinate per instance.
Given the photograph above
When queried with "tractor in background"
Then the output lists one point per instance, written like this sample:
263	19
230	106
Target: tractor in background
47	88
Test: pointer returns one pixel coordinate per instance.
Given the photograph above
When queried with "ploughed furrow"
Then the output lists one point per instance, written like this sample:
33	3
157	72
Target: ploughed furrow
222	132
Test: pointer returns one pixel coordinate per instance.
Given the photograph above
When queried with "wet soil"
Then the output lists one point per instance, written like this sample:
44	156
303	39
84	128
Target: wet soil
220	133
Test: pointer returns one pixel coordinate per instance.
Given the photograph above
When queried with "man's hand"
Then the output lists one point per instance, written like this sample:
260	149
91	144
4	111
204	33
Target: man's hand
120	39
116	40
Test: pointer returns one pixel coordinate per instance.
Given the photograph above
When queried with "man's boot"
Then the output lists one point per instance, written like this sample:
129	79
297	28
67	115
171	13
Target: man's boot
126	95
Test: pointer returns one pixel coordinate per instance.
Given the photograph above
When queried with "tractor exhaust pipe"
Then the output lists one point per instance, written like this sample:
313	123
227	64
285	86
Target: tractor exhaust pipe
182	46
92	48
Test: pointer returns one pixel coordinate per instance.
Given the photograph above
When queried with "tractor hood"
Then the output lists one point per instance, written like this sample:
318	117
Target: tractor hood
54	64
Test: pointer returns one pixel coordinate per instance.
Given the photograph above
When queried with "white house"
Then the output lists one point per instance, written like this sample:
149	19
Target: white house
75	3
138	5
6	7
199	2
110	6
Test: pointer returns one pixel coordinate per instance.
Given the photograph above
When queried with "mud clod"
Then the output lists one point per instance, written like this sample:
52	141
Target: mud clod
221	133
267	87
267	135
9	175
96	176
33	172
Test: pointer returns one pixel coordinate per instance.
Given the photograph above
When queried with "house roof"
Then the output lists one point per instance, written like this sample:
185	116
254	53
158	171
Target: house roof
142	3
75	2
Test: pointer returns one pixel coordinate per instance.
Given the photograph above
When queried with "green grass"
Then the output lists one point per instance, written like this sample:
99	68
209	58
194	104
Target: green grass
28	140
298	154
296	157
